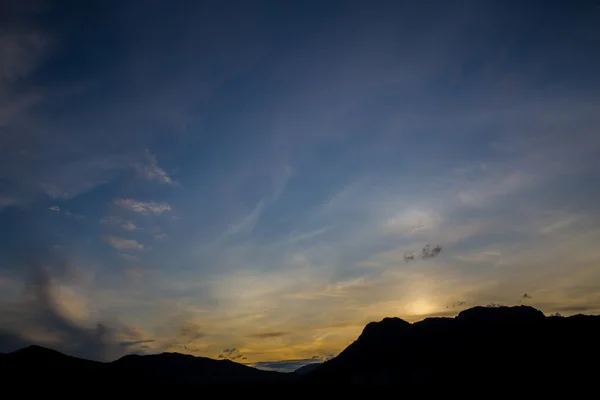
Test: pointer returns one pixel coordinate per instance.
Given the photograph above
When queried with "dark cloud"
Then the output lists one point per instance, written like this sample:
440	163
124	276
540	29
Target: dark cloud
184	337
426	253
136	343
190	332
268	335
429	252
526	296
232	354
455	304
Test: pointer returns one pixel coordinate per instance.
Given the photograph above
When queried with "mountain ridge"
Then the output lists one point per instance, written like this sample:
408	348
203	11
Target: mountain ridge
485	344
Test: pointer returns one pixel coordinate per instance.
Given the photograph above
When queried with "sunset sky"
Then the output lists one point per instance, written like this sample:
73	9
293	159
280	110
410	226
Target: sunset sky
248	179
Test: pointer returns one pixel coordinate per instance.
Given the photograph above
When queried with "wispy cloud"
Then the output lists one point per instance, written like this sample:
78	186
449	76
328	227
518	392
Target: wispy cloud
412	222
20	53
143	207
249	221
122	243
129	257
289	365
128	225
268	335
147	168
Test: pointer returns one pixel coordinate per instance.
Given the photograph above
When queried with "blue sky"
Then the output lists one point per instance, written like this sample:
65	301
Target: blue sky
250	175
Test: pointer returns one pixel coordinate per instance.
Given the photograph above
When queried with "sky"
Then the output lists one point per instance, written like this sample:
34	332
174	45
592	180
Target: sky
257	180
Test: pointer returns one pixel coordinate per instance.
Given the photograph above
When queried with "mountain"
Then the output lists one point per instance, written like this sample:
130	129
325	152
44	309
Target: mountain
36	358
52	367
188	369
486	349
518	346
305	369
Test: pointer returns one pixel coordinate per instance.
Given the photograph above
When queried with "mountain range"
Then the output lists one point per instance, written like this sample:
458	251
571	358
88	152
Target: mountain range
489	347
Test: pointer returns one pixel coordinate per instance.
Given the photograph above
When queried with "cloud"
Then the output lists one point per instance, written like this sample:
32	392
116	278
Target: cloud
426	253
20	53
128	225
190	332
41	316
129	257
6	201
148	169
69	214
248	223
67	180
455	304
412	222
143	207
121	243
289	365
232	354
268	335
136	343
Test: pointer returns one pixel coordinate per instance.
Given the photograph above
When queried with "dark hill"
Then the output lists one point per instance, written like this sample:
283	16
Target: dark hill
188	369
517	346
50	367
488	349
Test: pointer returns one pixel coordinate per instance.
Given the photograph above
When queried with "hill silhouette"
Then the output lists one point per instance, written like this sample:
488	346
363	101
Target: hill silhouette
518	346
482	347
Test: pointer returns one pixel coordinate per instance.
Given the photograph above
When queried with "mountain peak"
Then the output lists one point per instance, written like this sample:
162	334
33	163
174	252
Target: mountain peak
35	349
502	313
388	325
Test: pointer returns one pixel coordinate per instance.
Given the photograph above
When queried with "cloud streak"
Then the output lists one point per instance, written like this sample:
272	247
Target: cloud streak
121	243
143	207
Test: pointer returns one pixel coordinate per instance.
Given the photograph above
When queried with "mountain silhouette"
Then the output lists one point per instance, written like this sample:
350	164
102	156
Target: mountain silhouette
519	346
305	369
482	347
167	368
184	368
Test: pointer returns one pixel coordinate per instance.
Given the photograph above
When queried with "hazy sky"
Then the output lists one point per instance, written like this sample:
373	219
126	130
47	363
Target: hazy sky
249	175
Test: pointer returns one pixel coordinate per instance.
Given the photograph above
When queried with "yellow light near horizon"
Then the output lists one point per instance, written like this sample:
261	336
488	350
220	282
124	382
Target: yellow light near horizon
420	307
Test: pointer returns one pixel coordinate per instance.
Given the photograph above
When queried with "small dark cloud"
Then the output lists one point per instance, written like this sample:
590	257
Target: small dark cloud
455	304
136	342
268	335
426	253
429	252
232	354
526	296
188	333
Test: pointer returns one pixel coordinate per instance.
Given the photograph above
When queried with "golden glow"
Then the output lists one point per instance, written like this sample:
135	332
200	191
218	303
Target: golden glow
420	306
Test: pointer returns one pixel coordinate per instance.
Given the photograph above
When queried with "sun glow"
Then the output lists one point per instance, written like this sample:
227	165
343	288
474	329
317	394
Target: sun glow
420	307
